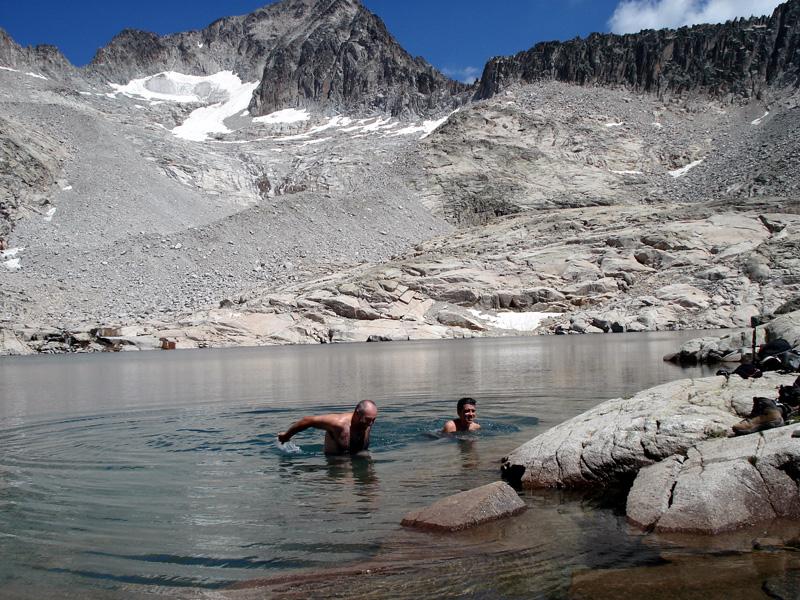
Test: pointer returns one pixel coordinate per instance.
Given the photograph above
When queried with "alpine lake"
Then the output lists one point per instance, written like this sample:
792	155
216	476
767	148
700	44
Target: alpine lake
139	475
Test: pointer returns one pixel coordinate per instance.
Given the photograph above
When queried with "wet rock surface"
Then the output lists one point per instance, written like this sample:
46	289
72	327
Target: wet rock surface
610	443
467	509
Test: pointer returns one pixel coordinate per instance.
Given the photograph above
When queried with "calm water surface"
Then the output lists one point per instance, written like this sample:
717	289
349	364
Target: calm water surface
126	475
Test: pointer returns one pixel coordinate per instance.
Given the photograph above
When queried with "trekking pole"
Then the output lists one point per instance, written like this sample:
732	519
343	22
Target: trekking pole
754	325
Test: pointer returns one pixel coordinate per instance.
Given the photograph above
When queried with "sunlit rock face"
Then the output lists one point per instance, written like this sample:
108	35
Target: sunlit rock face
609	444
720	485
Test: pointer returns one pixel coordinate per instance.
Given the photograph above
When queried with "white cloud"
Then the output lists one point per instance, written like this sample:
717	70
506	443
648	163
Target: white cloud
464	75
631	16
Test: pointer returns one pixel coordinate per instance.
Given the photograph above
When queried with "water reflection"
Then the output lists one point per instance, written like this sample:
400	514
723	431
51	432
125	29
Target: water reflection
468	448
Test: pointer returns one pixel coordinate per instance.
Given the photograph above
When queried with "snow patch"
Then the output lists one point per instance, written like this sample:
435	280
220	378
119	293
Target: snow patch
66	188
49	215
224	91
319	141
9	261
287	115
519	321
759	119
29	74
426	128
12	265
685	169
177	87
658	125
210	119
626	172
620	124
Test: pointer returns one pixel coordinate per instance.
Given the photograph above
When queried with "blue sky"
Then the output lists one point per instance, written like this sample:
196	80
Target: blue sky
456	36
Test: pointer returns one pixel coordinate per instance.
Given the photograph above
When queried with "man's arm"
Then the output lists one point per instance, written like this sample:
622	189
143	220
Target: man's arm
325	422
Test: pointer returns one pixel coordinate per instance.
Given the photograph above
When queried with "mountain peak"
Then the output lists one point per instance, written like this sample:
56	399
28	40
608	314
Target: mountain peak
325	53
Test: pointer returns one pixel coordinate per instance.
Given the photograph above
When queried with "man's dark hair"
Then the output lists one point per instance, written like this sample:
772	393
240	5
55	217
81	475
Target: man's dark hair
464	401
362	406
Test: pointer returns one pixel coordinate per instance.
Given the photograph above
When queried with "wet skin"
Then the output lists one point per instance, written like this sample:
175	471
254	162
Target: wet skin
345	433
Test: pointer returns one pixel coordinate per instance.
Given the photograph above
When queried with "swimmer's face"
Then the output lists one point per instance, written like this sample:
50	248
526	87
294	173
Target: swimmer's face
468	413
367	418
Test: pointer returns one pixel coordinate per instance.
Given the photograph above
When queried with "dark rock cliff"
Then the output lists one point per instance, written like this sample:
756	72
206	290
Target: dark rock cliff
345	56
305	52
46	59
238	43
739	57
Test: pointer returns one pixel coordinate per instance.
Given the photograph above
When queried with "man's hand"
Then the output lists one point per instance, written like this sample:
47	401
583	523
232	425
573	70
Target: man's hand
283	437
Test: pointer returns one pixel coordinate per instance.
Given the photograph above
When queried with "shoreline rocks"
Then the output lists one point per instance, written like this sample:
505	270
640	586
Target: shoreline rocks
610	443
720	485
737	346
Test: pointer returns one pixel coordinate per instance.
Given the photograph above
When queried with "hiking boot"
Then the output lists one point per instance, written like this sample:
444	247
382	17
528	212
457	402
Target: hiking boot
796	433
765	415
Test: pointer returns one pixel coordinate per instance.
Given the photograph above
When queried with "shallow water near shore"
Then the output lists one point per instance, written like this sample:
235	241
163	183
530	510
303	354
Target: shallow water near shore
126	475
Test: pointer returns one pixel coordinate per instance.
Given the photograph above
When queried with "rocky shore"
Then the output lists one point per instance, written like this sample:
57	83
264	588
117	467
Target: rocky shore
674	443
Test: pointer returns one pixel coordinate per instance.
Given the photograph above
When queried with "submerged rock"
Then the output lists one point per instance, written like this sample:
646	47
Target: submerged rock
467	509
610	443
720	485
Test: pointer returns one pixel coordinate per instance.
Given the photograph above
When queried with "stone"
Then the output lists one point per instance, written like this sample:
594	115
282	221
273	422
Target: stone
455	319
350	307
684	295
10	345
787	327
609	443
473	507
720	485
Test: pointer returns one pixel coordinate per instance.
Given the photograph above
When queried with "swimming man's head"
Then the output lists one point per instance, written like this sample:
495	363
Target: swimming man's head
365	413
467	410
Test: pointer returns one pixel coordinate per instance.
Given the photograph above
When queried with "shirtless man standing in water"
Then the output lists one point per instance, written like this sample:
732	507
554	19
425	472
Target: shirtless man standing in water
466	417
344	432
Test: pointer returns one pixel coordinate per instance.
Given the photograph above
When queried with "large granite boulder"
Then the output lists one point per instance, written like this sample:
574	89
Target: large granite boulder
720	485
467	509
610	443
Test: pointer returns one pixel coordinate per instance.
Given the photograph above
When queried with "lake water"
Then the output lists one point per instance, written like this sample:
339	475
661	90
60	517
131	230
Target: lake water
135	475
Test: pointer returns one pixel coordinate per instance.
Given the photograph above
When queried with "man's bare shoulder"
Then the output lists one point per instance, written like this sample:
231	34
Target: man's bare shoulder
474	426
449	427
334	420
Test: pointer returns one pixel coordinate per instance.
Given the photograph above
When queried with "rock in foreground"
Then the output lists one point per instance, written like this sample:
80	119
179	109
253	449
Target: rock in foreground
468	509
721	485
611	442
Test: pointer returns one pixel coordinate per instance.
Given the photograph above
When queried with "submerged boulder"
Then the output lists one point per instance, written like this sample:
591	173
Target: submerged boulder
467	509
610	443
720	485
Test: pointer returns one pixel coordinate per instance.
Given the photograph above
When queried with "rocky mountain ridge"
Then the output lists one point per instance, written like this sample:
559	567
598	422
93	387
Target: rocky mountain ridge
329	54
547	208
739	58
